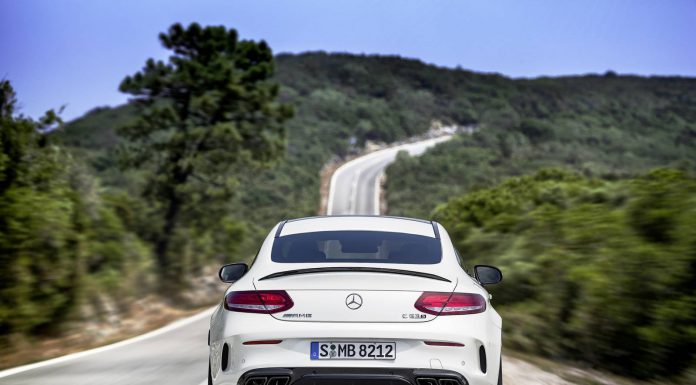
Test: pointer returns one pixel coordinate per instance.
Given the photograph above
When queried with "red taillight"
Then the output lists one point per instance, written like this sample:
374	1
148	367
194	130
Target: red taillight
450	303
264	301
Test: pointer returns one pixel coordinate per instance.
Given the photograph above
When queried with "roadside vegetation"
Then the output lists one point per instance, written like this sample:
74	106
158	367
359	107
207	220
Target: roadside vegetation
86	206
599	271
61	234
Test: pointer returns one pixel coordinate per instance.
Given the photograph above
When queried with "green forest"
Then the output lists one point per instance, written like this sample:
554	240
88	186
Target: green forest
116	203
596	270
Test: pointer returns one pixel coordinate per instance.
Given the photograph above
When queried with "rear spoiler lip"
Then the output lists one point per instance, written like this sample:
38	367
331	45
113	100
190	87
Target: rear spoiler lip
346	269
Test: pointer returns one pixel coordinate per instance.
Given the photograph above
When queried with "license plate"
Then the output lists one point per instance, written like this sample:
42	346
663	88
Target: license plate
353	351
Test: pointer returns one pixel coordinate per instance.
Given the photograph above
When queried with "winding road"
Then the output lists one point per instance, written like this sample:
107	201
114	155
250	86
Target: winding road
177	354
355	186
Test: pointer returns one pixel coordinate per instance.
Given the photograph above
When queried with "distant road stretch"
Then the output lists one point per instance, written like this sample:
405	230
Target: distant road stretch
177	354
355	185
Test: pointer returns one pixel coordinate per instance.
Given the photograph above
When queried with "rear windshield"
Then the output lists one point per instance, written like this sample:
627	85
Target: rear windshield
357	246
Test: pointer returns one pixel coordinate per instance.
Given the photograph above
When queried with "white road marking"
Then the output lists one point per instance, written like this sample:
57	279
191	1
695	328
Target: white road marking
172	326
352	202
378	190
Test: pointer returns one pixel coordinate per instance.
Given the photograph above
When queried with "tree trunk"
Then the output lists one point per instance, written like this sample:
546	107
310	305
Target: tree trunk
171	274
168	272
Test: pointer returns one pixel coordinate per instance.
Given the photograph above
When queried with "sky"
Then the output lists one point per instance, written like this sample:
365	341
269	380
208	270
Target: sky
76	52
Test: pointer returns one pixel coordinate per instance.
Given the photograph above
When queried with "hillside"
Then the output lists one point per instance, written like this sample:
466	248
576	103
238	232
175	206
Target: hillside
340	102
602	126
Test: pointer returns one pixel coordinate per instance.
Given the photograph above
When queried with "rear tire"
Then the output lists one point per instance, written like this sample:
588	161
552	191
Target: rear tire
210	377
500	372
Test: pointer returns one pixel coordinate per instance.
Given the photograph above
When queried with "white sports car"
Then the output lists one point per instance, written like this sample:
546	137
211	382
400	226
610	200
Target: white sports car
356	300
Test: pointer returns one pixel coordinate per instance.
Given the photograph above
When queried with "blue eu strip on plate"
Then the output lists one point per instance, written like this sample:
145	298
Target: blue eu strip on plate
314	351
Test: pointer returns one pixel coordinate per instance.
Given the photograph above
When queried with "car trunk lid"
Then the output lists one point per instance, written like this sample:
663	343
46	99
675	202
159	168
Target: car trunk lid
354	294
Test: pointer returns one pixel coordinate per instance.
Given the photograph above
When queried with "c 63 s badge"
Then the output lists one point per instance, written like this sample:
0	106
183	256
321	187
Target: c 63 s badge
413	316
297	315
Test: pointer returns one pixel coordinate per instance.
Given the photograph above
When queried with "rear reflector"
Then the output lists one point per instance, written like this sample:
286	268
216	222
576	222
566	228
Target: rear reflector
264	301
262	342
439	303
439	343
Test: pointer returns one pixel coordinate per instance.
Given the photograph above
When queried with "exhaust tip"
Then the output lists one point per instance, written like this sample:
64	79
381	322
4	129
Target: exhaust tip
278	381
438	380
256	381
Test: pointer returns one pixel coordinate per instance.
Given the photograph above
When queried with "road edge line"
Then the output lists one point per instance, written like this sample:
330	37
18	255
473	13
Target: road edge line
377	203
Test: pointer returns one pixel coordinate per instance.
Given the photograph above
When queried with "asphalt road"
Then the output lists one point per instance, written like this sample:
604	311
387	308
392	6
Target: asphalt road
355	185
177	354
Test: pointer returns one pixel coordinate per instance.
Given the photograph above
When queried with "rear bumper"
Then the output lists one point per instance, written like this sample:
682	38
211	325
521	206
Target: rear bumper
350	376
475	332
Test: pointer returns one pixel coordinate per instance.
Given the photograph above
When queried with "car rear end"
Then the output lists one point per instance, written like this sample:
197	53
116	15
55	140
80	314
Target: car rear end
357	314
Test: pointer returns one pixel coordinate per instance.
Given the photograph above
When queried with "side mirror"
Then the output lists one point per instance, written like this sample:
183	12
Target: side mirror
233	272
488	275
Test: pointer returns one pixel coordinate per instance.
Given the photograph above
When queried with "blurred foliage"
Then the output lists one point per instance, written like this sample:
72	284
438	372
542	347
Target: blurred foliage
58	236
596	270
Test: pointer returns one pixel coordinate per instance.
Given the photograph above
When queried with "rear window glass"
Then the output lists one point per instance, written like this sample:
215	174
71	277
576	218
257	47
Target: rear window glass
356	246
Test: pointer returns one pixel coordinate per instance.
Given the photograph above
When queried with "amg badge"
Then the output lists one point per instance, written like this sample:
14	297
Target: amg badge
297	315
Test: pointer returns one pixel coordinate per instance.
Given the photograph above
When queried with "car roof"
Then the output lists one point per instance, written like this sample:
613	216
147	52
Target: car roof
357	223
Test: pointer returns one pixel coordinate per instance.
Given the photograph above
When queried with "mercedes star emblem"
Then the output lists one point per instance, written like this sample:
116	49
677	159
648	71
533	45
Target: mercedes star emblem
354	301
